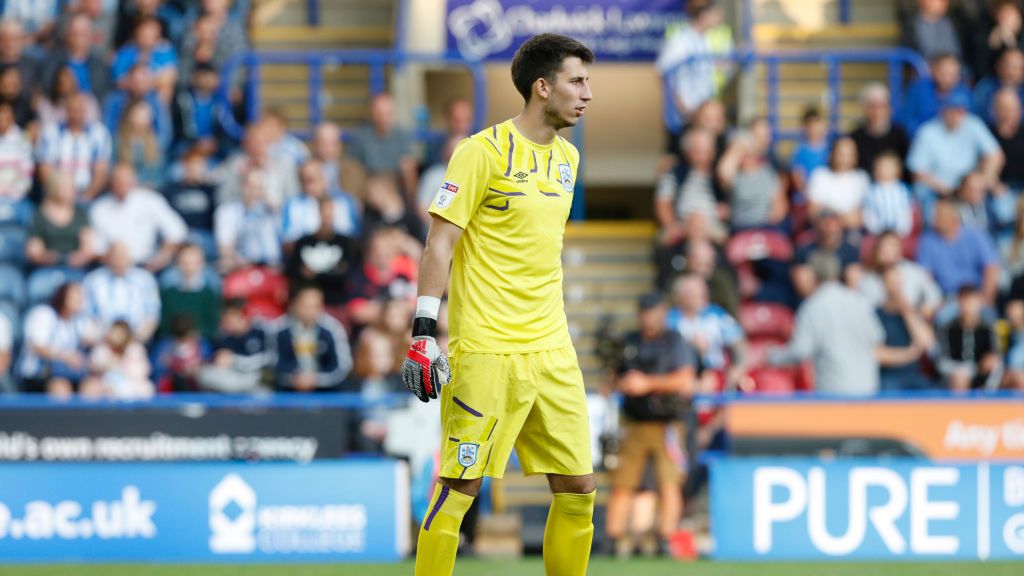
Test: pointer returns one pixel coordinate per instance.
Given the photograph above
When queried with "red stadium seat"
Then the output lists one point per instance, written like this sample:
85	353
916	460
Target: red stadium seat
758	245
765	320
774	380
264	290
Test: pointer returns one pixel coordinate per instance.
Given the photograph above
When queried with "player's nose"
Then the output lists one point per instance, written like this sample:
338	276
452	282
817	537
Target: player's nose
587	95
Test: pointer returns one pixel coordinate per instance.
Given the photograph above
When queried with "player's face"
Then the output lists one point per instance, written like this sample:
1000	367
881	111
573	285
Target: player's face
567	98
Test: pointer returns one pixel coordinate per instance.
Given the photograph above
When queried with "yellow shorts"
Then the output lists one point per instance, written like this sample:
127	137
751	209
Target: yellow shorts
534	402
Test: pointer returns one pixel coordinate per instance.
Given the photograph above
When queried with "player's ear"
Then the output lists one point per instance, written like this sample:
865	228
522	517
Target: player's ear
542	88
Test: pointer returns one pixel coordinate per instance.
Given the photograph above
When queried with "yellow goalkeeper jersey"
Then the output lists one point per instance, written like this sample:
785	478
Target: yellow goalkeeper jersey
511	197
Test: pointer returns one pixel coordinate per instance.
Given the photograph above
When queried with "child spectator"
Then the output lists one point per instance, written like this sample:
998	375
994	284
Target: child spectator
180	356
967	357
812	151
240	354
888	205
121	366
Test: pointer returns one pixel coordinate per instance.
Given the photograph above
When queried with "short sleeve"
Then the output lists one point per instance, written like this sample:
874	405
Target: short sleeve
6	335
917	158
465	183
987	143
680	353
39	326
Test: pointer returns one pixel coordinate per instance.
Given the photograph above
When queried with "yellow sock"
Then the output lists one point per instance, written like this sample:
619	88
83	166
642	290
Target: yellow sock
439	535
568	534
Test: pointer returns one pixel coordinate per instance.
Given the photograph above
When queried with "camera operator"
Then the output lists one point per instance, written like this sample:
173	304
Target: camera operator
656	375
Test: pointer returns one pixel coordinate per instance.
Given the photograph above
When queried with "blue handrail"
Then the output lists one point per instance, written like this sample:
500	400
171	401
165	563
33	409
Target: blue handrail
378	61
896	58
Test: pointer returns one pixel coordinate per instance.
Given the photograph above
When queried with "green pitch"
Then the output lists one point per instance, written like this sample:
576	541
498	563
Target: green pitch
598	567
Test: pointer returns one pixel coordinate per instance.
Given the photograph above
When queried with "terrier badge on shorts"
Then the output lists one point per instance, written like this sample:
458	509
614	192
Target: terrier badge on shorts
467	454
565	177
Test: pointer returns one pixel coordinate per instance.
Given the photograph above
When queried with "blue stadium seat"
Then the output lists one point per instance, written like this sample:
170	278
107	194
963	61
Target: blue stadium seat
12	285
44	282
16	213
12	244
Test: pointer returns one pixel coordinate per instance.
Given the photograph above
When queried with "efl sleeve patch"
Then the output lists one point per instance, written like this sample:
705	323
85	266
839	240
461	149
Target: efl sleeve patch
446	194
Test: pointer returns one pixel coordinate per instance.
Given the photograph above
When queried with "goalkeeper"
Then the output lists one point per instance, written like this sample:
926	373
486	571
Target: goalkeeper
514	381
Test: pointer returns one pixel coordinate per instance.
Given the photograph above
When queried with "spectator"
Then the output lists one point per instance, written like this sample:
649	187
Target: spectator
60	234
757	195
198	115
907	338
925	96
38	18
78	147
12	54
191	194
703	260
13	92
191	294
812	151
709	117
888	205
279	179
948	148
246	229
840	186
138	146
240	354
120	291
958	256
211	40
6	349
686	63
1006	34
837	329
1008	133
301	214
147	47
458	125
829	238
1012	254
56	334
100	14
656	373
156	231
877	134
180	356
284	144
991	213
1009	75
53	107
166	13
382	147
919	289
82	56
968	358
121	366
137	85
16	165
714	334
386	274
376	375
312	348
326	148
690	188
325	258
932	32
386	207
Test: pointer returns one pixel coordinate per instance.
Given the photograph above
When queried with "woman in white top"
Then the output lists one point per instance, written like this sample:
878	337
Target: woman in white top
840	186
57	335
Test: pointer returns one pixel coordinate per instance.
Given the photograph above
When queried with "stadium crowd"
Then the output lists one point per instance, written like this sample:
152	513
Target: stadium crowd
887	258
143	250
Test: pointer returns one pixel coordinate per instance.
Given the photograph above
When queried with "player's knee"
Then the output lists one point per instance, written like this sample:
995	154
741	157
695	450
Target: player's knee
571	484
469	487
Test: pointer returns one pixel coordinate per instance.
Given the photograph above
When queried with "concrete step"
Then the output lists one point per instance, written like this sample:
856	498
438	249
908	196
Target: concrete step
321	37
784	36
805	12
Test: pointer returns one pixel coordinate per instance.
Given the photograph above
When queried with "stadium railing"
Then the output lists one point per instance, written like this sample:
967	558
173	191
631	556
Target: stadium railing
897	59
377	60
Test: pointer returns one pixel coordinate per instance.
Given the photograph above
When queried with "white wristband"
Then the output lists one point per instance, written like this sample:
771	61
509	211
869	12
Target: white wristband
427	307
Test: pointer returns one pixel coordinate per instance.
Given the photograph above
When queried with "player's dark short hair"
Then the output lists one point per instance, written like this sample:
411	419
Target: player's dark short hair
541	57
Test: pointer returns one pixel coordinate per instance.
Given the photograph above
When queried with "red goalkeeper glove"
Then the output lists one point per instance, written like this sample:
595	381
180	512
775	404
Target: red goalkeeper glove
425	368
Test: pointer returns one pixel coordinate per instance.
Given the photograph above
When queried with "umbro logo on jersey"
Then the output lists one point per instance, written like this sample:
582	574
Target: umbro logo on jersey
520	177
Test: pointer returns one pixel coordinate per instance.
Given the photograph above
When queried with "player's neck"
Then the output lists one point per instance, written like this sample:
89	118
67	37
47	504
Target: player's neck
530	123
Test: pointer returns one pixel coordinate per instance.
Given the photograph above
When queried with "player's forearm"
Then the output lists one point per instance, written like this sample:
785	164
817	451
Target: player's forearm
437	258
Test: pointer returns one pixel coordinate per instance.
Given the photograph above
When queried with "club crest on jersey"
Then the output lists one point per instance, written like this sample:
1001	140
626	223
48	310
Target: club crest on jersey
445	194
565	177
467	454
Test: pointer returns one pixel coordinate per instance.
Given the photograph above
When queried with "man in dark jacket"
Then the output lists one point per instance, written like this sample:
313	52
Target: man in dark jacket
312	348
